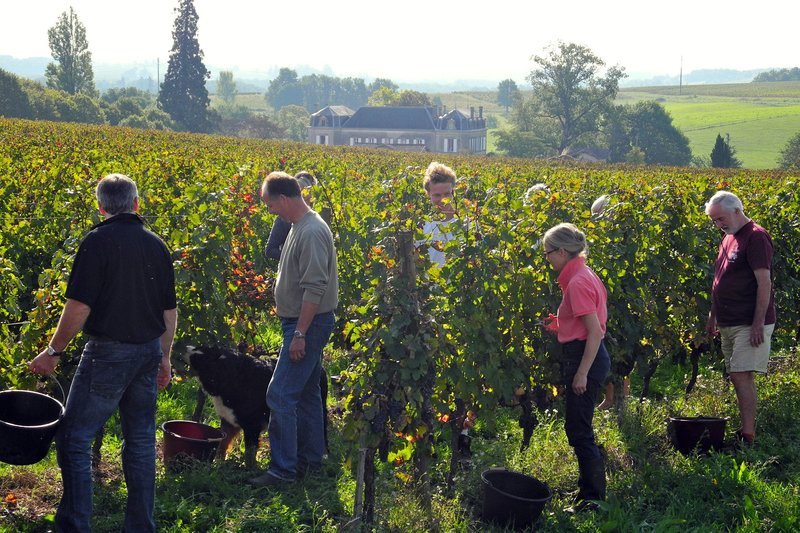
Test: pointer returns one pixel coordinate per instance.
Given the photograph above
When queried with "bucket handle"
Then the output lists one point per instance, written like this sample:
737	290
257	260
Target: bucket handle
42	378
60	388
503	469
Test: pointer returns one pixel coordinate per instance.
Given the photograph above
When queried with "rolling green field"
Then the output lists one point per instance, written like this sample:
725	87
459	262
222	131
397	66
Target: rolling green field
759	117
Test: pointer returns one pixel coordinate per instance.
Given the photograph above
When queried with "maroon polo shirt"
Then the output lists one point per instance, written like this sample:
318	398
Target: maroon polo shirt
735	287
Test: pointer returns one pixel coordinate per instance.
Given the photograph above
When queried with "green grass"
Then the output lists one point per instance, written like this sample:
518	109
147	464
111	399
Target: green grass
778	89
759	126
651	487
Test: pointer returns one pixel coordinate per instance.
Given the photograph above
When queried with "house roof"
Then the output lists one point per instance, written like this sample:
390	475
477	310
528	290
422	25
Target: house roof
392	118
455	112
340	110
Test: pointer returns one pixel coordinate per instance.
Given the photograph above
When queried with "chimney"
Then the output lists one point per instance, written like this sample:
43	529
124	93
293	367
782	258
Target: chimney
471	112
480	111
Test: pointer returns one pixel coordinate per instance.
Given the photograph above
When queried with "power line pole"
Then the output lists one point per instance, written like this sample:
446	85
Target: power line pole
680	79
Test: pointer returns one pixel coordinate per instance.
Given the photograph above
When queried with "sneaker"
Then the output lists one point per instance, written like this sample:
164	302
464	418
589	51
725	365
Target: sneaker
268	480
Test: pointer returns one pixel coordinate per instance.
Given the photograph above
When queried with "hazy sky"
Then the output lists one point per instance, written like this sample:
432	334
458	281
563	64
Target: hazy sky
425	40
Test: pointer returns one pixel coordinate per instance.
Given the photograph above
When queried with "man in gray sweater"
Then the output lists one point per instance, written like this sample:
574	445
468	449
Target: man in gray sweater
306	295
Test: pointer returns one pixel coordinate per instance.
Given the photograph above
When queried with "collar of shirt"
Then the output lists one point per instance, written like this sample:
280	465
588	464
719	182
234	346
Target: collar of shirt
748	224
570	269
122	217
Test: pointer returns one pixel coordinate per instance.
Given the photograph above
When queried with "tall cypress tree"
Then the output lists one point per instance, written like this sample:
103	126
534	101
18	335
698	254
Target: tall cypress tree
723	155
183	94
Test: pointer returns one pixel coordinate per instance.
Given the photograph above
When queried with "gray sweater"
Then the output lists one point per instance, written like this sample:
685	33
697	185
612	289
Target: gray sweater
307	269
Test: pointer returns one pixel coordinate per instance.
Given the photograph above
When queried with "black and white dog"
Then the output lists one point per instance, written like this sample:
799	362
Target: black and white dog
237	384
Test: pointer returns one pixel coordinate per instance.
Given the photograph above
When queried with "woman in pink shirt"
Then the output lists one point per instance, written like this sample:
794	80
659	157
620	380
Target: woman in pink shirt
580	326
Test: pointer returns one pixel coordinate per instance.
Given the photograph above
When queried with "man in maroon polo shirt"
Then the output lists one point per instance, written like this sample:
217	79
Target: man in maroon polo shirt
742	301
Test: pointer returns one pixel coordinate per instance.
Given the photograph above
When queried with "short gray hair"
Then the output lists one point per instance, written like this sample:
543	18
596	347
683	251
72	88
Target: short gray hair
117	193
727	200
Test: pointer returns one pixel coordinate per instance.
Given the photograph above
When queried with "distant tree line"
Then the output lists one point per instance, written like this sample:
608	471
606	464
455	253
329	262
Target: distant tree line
315	91
22	98
783	74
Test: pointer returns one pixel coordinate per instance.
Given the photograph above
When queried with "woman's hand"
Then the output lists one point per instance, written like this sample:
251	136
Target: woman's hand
579	383
550	324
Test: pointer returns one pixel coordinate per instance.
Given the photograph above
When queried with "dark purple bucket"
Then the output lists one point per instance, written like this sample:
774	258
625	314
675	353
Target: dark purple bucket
513	499
28	423
701	433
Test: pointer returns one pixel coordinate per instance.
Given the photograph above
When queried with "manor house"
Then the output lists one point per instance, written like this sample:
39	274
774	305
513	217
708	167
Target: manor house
426	129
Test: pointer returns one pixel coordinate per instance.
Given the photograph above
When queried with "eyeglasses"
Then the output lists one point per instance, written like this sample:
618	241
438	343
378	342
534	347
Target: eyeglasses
547	253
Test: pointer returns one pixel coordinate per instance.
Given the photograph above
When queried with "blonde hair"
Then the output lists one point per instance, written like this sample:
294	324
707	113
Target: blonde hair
438	173
566	236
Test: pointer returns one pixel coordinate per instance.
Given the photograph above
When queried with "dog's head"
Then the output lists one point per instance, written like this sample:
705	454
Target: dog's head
208	363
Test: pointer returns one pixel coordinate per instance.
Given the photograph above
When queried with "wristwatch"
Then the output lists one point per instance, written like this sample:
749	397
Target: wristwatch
52	352
299	334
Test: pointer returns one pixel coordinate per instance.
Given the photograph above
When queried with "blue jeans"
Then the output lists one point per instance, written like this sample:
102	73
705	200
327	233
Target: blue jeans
110	374
296	431
580	408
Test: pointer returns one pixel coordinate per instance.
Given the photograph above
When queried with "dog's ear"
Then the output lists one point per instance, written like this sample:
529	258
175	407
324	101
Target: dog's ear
187	353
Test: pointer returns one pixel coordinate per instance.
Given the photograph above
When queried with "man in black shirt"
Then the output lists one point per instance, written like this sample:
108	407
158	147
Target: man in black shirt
121	293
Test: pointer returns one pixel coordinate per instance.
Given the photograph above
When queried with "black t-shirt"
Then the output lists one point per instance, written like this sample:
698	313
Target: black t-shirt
124	273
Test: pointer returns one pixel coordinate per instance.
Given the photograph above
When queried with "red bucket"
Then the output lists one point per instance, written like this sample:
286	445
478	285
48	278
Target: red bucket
185	440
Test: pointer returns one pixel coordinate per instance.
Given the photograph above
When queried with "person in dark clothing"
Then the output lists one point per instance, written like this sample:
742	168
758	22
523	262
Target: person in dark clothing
121	293
742	302
280	228
580	326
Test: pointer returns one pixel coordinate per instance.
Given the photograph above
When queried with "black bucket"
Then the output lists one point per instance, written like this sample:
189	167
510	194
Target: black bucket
701	433
513	499
28	422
